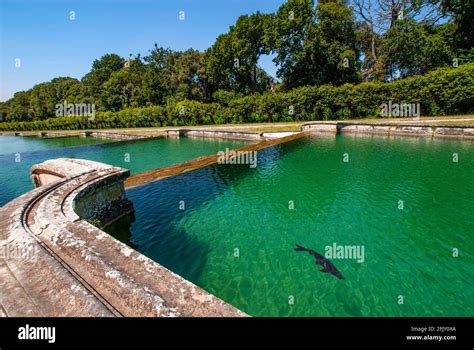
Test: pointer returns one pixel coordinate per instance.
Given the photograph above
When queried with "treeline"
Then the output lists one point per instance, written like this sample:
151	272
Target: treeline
332	42
443	91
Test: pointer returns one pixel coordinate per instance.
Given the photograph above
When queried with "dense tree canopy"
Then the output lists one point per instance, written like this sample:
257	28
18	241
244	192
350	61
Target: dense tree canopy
313	43
232	62
101	71
463	15
411	48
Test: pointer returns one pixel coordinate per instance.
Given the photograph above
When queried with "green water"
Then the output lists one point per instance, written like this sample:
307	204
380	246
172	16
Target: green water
21	144
137	156
408	253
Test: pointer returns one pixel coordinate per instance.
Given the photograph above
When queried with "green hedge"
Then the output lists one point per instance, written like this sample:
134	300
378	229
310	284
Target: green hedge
442	92
127	118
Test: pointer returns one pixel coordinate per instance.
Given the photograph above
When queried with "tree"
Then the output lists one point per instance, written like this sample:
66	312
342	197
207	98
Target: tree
376	19
157	74
219	63
231	63
250	42
292	22
411	48
315	46
463	15
44	97
125	88
187	78
334	51
18	108
174	73
65	88
101	71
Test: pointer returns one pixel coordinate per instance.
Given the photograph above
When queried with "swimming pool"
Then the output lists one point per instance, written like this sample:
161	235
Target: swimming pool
406	204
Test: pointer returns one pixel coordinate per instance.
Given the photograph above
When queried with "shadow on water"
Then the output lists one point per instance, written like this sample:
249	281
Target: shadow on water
121	229
173	254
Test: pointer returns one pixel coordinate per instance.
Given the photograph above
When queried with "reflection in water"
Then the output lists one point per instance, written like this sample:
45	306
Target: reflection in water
121	229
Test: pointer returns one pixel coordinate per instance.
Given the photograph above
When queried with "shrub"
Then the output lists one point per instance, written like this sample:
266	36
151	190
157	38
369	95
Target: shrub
441	92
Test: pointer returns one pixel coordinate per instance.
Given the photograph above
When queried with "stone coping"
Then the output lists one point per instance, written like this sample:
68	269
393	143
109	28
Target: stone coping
410	127
172	132
115	135
221	134
388	123
67	167
393	128
70	268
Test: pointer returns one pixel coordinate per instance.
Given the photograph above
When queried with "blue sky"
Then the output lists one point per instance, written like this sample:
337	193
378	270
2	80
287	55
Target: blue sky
49	44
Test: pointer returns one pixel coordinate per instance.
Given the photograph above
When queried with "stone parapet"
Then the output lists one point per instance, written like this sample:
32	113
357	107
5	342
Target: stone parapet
56	263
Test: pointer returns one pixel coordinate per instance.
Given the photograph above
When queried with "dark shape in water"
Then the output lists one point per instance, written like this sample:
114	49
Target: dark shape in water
321	260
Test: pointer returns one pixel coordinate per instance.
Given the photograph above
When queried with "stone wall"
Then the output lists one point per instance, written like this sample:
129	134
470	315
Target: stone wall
75	269
114	135
392	128
53	134
238	135
320	127
101	202
105	201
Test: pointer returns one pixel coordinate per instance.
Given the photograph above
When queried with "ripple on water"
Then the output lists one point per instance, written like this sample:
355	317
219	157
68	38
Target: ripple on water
236	236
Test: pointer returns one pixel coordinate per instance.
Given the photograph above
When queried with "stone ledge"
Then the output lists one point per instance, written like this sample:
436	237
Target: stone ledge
320	127
392	128
78	270
178	168
35	283
114	135
223	134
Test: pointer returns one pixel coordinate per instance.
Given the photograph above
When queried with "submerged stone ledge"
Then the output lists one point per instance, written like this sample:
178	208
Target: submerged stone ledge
178	168
227	134
114	135
55	263
222	134
53	134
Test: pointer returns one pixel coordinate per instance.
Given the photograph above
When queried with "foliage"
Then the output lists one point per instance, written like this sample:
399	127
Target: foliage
444	91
